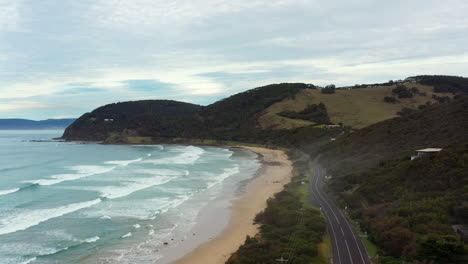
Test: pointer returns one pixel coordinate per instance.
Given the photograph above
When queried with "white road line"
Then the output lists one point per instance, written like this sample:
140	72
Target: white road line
331	225
355	241
349	252
347	223
331	209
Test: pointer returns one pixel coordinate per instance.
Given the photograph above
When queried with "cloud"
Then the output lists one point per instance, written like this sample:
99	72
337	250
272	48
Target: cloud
144	15
77	55
80	90
16	105
9	15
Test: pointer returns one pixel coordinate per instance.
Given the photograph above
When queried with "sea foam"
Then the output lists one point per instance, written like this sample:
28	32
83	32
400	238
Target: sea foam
189	155
82	171
5	192
129	234
221	177
24	219
91	239
122	162
137	184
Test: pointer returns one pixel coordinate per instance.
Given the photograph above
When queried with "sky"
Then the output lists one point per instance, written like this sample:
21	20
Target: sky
62	58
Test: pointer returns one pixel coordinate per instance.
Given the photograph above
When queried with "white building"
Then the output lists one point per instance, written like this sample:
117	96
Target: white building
426	151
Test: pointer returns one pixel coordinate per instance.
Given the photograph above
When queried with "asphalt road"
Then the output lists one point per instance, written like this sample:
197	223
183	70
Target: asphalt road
347	245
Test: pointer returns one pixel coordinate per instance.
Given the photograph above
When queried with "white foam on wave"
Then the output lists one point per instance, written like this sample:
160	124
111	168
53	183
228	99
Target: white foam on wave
129	234
162	172
136	184
82	171
92	239
24	219
136	226
122	162
5	192
29	261
228	172
189	155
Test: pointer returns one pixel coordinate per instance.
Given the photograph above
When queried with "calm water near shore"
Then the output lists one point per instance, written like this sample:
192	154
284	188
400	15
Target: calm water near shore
90	203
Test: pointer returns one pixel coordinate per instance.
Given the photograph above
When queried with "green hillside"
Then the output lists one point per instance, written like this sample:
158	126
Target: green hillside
437	126
409	206
284	114
233	118
158	117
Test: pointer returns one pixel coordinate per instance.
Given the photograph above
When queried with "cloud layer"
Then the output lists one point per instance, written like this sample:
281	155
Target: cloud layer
63	58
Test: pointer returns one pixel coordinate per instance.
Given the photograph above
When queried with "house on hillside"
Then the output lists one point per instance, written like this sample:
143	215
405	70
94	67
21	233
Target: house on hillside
424	152
331	126
109	120
462	232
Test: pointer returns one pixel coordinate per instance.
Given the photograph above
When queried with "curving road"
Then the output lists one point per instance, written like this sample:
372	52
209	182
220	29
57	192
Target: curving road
347	245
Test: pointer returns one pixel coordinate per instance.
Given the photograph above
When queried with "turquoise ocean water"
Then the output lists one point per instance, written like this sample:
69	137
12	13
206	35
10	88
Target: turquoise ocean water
90	203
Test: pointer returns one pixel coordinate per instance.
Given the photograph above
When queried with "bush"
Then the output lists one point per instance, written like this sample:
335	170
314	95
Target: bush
390	99
329	89
314	112
441	99
402	91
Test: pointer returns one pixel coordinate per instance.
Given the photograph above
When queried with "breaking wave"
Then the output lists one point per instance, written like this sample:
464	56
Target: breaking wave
25	219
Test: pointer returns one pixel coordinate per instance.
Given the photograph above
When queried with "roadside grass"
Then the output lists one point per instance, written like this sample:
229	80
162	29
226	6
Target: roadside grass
356	107
324	248
371	247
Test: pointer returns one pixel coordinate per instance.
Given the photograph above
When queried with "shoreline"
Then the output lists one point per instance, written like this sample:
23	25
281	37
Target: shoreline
275	172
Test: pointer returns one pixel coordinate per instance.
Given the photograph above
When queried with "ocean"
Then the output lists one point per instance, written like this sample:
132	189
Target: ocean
66	202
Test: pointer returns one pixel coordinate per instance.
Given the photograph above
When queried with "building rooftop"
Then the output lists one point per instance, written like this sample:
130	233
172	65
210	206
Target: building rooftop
429	150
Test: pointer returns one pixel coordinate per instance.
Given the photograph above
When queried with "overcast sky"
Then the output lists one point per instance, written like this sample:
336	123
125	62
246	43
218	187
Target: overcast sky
61	58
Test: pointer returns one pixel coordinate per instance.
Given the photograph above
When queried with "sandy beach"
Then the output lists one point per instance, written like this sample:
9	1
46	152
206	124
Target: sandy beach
274	174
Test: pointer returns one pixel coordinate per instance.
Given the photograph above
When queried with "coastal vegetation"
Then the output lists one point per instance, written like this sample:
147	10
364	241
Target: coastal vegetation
316	113
290	227
409	206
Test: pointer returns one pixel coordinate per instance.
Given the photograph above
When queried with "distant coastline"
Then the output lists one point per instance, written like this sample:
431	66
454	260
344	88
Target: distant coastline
26	124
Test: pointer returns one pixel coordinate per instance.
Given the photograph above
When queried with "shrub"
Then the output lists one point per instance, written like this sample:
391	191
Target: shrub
329	89
402	91
390	99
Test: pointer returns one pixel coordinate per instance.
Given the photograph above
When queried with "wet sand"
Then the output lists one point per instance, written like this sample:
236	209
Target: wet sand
275	172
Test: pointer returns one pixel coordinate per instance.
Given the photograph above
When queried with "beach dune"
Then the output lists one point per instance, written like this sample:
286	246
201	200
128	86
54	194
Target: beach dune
274	174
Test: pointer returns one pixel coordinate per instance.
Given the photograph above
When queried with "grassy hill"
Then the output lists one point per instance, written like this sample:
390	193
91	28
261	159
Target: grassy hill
437	126
358	108
287	114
